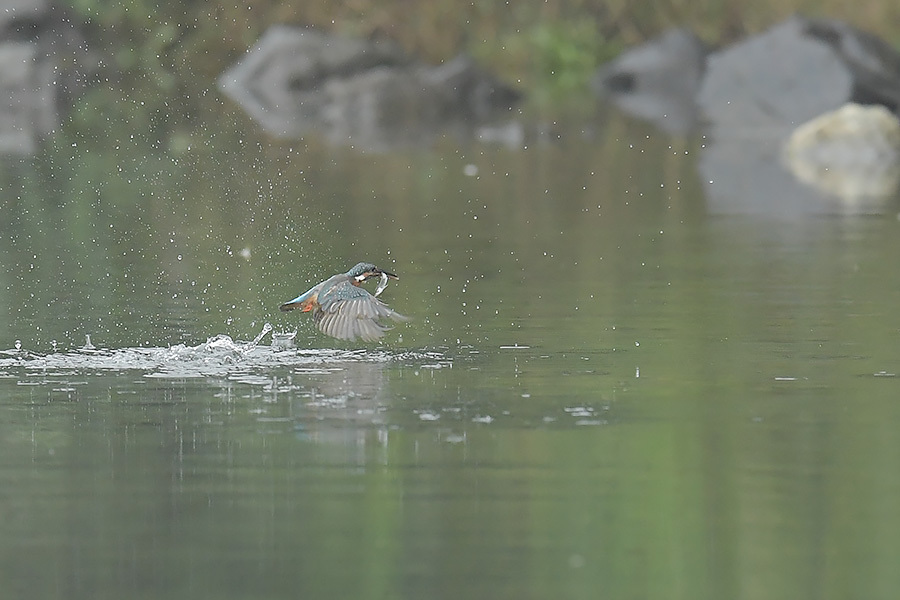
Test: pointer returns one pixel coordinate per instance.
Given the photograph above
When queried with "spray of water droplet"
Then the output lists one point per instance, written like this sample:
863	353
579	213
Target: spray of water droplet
283	340
266	329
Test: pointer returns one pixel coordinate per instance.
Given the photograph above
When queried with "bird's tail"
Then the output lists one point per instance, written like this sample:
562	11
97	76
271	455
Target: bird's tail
304	301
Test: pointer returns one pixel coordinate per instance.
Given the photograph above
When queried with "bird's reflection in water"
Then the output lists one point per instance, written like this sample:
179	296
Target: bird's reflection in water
343	403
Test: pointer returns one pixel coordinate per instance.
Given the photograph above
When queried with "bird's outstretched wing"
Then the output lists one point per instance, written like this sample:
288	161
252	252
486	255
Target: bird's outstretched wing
348	312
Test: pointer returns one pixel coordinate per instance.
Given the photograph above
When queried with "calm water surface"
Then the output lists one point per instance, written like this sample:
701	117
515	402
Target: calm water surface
608	390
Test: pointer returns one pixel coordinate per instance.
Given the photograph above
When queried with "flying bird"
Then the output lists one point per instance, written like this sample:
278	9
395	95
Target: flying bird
344	310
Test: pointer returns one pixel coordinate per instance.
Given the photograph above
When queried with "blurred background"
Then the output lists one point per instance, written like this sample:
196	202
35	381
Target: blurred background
643	362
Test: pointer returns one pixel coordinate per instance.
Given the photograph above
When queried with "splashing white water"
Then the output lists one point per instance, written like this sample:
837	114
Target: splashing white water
219	356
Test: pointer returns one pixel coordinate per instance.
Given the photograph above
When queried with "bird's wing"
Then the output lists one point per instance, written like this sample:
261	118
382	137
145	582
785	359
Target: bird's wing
348	312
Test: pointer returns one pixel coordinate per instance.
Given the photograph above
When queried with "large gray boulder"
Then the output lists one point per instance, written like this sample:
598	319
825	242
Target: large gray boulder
27	93
385	108
18	18
770	83
657	81
44	62
280	82
28	108
355	92
758	92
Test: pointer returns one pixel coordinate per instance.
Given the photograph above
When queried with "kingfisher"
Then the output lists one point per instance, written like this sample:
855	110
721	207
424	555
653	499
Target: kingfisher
343	309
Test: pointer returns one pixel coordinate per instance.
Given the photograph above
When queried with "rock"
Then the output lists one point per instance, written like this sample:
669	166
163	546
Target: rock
27	102
280	81
390	107
28	110
843	162
468	91
772	81
852	153
378	109
658	80
44	62
757	92
875	65
769	83
366	94
21	19
742	177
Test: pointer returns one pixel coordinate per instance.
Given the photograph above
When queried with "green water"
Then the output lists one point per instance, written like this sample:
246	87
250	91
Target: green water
607	390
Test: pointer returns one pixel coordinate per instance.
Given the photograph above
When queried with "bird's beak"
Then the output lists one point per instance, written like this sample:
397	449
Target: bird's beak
391	275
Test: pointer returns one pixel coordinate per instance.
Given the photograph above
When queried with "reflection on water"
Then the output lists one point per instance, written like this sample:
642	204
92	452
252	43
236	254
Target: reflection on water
414	471
323	387
605	390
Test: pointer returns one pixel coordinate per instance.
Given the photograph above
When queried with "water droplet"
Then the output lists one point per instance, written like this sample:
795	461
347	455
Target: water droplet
266	329
283	340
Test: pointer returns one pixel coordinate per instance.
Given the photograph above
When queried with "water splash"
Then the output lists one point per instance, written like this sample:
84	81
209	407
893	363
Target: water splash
283	340
266	329
220	356
16	354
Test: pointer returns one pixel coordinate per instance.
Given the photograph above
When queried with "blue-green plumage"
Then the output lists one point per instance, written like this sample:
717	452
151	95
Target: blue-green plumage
344	310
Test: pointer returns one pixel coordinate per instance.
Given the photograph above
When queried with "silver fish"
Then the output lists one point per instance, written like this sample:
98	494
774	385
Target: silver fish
381	284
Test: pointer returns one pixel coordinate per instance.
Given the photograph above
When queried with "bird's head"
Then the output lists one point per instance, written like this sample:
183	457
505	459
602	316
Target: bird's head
364	271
